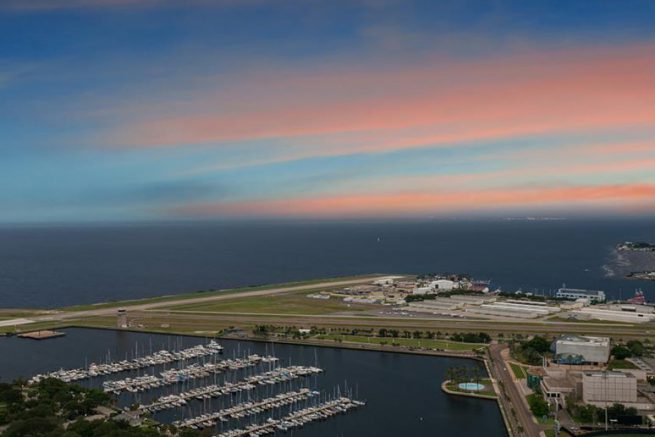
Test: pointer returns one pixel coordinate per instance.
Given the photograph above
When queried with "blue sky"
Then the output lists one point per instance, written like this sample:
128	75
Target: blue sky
123	110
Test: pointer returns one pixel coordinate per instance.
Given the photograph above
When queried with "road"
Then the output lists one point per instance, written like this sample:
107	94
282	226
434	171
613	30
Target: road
421	323
500	371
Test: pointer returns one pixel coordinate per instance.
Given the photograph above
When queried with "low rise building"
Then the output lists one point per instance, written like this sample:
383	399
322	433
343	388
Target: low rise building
494	310
575	293
590	313
558	387
600	388
469	299
434	305
443	285
385	282
513	310
576	349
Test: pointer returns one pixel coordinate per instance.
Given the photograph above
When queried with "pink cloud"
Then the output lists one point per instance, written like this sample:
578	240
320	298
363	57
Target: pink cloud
529	172
366	109
412	203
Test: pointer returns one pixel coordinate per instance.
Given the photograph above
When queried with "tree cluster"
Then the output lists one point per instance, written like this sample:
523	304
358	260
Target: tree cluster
464	374
533	350
52	408
471	337
538	405
591	414
633	348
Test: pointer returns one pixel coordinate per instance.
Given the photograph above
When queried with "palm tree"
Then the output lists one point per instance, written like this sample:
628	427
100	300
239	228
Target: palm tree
450	374
476	374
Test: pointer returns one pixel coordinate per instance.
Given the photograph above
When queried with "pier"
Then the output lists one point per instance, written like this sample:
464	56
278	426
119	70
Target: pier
174	376
111	367
296	419
275	376
245	409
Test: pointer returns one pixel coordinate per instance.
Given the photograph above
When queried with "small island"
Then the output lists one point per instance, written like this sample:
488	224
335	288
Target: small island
635	260
636	246
644	276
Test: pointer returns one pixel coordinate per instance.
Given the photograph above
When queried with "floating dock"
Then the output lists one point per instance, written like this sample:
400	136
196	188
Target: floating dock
296	419
276	376
111	367
175	376
246	409
41	335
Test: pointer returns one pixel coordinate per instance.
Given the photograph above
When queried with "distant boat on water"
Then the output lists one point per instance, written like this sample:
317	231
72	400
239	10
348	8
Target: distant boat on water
638	298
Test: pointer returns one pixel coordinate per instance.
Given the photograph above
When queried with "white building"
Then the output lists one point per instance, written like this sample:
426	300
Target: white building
574	293
575	349
442	304
477	299
590	313
599	388
443	285
422	290
385	282
513	310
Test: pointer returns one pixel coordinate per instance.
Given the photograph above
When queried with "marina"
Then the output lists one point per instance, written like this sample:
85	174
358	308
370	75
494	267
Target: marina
192	366
276	376
246	409
174	376
110	367
371	375
297	419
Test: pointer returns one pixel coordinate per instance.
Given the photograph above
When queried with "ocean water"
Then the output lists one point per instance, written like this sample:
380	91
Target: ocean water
402	391
58	266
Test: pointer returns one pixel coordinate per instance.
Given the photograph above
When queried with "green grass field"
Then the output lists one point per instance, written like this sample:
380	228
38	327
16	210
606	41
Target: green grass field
408	342
293	303
16	314
519	371
621	364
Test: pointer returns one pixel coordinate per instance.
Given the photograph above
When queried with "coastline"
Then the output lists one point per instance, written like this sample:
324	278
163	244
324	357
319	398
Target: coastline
350	346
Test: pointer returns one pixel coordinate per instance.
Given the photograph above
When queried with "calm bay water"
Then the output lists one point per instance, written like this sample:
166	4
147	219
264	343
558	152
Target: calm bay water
402	391
50	267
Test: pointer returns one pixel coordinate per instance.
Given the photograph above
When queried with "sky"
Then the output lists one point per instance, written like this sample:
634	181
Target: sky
131	110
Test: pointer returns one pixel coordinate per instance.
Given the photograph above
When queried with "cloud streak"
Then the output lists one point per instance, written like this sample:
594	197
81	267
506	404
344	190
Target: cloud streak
614	197
430	105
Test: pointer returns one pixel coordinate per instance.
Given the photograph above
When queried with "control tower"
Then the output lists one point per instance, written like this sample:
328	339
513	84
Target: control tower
121	321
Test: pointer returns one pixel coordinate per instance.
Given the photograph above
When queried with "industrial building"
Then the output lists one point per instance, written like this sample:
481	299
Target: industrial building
575	349
500	310
612	315
601	388
473	299
514	310
574	293
436	306
530	307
